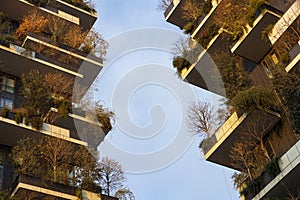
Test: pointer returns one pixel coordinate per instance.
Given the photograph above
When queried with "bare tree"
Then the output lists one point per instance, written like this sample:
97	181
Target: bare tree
34	22
231	16
58	154
256	130
124	194
242	156
111	175
192	9
163	5
200	119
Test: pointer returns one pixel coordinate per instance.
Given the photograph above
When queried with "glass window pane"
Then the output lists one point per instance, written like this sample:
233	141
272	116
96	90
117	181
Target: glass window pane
10	82
9	103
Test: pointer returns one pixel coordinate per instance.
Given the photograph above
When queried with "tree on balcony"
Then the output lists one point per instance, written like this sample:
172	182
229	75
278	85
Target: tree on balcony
234	76
201	118
242	156
231	16
34	22
112	177
163	5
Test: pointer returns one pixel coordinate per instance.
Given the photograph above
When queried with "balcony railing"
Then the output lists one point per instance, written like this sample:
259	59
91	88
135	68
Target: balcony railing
294	57
289	17
47	129
61	48
287	181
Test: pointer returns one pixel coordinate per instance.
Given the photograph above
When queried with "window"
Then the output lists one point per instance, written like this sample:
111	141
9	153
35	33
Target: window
8	103
267	69
7	84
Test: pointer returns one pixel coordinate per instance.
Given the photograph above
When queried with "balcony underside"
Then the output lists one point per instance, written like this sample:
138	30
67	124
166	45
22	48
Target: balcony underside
220	149
252	46
205	73
11	133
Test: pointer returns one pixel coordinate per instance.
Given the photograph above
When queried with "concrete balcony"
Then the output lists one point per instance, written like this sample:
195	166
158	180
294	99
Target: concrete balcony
287	182
83	127
12	132
174	13
204	73
16	9
32	40
288	19
17	60
206	21
42	187
251	45
294	56
217	148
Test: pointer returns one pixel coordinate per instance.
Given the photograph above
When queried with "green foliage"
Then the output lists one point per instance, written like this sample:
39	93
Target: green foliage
234	77
207	35
4	112
37	123
256	98
239	179
189	27
207	6
254	5
18	118
36	95
288	87
81	4
104	116
25	156
272	167
180	63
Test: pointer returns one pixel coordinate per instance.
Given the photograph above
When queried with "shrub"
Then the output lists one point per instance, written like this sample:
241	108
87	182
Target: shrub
207	6
18	118
180	63
272	167
4	112
37	123
189	27
256	98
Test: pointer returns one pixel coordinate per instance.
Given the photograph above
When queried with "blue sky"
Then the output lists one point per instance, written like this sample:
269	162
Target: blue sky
149	100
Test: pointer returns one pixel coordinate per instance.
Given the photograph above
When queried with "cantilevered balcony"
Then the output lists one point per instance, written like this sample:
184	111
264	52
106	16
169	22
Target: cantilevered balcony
16	9
82	127
43	187
204	73
287	182
287	20
251	45
206	21
174	13
11	131
33	40
294	57
217	148
17	60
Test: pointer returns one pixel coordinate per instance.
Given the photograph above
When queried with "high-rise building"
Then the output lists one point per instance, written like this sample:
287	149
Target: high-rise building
45	36
255	49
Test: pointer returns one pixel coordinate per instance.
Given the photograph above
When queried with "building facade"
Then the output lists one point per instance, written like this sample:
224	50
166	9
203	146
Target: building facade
45	36
255	50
